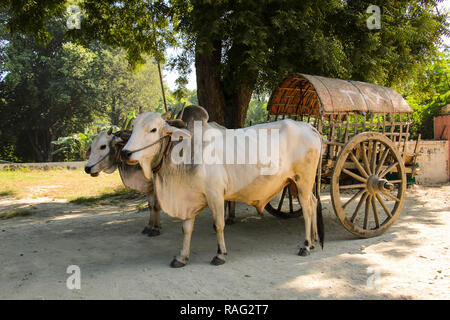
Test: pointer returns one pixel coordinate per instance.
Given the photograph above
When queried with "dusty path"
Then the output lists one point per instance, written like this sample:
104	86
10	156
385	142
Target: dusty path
411	260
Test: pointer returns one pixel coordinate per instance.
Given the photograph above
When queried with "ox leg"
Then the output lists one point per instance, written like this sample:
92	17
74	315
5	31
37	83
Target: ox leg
182	259
307	203
218	212
315	234
154	224
231	208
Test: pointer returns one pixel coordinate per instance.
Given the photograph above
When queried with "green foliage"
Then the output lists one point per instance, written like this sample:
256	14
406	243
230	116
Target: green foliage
257	111
47	90
246	46
74	146
264	40
428	93
124	90
54	89
31	16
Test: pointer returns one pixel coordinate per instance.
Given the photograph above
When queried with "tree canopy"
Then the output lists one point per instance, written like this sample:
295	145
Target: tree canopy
242	47
428	93
57	88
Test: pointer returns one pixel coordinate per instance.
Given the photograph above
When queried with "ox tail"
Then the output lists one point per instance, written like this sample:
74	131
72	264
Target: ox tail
320	227
319	218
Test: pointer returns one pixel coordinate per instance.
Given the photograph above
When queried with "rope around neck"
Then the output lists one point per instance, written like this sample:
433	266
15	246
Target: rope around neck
149	145
103	158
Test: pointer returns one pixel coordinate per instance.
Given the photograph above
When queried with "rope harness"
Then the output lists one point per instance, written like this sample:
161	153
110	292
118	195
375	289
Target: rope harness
164	153
149	145
103	158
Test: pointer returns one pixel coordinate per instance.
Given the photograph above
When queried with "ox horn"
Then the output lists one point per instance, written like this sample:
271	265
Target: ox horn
180	116
110	131
165	115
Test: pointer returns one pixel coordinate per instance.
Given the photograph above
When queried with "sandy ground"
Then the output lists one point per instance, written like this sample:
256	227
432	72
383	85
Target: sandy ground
410	261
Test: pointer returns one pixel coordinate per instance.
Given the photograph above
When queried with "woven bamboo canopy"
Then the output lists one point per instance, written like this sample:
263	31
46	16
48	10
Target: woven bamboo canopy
313	95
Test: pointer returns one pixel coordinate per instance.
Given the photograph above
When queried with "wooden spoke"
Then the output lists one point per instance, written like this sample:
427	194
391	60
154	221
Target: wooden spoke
373	156
383	158
390	196
356	195
365	160
281	199
375	212
367	212
275	206
358	207
387	170
354	175
358	165
383	204
291	207
368	154
353	186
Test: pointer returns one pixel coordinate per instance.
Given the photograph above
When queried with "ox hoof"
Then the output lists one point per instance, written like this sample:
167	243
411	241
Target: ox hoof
303	252
229	221
177	264
216	261
151	232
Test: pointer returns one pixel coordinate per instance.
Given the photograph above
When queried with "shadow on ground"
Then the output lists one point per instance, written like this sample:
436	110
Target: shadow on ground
117	261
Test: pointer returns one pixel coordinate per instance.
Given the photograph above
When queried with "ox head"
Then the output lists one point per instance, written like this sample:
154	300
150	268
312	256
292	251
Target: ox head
144	145
102	154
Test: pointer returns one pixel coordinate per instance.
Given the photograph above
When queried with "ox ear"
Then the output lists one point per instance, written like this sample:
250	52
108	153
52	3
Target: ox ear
176	133
178	123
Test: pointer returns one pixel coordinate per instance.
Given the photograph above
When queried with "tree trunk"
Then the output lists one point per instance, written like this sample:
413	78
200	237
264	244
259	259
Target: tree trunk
41	145
32	138
237	106
209	87
230	109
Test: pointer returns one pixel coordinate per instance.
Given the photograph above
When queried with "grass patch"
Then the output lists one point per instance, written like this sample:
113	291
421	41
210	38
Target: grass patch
56	183
15	213
141	207
114	197
7	193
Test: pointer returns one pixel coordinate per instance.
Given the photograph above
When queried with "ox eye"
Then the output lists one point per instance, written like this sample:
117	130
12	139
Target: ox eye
103	147
153	130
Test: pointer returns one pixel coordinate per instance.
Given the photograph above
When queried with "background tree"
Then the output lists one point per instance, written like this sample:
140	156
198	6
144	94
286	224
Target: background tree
428	94
244	46
124	89
45	90
58	88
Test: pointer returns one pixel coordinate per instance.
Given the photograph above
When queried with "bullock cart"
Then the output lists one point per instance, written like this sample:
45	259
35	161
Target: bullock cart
364	158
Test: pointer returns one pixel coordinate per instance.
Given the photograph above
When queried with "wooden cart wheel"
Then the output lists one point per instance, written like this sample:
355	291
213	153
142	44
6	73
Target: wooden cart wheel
284	207
360	180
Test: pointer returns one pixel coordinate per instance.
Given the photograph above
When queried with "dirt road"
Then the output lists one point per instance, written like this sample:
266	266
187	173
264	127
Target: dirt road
410	261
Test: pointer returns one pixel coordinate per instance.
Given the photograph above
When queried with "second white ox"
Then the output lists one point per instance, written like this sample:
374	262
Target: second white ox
184	190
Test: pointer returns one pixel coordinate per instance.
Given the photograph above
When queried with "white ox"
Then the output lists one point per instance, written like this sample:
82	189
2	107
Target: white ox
103	156
184	190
